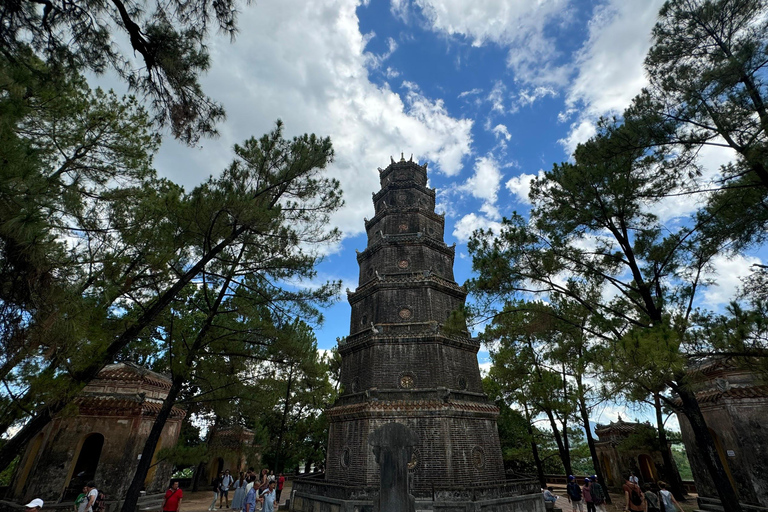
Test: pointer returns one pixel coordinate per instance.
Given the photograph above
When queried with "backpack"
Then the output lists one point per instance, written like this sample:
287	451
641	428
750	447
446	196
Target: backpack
100	503
597	493
666	500
574	491
635	497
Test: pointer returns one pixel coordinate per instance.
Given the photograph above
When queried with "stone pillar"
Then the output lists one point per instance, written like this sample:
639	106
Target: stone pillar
393	446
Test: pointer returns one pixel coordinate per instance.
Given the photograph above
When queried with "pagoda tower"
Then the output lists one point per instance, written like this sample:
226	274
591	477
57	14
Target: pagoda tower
401	363
398	363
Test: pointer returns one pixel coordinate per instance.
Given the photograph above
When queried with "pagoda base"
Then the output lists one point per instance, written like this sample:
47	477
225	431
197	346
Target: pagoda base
315	494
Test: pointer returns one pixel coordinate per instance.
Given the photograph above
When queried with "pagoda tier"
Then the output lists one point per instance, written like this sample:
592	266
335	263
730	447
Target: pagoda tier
400	363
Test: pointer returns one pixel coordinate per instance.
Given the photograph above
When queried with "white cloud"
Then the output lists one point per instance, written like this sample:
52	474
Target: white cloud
501	131
522	26
484	184
464	228
520	185
391	73
727	274
580	132
496	97
305	62
528	96
610	71
376	60
471	92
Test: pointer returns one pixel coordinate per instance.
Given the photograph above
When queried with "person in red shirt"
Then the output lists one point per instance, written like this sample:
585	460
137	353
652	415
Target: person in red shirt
172	500
280	484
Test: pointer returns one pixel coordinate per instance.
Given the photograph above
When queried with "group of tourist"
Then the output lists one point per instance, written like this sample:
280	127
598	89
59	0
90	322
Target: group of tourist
249	489
635	498
591	493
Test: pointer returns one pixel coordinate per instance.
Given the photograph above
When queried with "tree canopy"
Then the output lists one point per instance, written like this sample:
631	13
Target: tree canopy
105	246
169	39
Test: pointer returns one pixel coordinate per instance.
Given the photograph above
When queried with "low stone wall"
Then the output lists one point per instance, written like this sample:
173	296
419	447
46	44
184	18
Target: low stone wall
318	495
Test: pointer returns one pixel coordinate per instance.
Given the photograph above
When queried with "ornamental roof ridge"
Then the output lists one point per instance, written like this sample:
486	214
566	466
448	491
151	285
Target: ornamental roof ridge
422	276
366	335
735	392
402	164
402	185
132	372
415	208
406	237
433	404
107	404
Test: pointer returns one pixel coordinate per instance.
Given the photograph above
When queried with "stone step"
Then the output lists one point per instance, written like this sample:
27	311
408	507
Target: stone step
713	505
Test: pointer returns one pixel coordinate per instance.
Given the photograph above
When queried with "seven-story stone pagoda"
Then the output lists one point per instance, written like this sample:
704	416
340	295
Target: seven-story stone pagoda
400	363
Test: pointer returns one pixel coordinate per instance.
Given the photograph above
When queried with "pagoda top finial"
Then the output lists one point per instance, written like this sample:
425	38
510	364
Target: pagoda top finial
402	157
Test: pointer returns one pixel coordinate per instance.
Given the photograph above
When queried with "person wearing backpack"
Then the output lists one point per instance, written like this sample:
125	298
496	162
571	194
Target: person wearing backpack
91	496
598	494
635	501
574	494
651	498
669	503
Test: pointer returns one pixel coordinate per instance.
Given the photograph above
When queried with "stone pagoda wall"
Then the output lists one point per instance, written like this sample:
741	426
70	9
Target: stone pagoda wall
398	363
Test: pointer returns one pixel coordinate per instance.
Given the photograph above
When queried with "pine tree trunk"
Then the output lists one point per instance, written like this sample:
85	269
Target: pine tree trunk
285	417
535	450
705	446
565	457
670	470
590	439
134	490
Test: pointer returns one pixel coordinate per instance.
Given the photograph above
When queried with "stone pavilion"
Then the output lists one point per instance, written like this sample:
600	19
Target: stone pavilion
618	455
102	441
402	364
734	402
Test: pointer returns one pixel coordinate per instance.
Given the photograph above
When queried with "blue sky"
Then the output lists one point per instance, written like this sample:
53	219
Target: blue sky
489	92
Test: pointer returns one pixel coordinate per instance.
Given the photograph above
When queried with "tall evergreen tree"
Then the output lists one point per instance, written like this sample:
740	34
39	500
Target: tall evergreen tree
272	198
591	226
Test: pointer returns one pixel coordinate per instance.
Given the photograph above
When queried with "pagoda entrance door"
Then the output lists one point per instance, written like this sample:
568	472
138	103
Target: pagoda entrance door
85	467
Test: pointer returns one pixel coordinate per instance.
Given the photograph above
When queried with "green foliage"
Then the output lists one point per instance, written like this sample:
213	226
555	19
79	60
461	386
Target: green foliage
299	388
117	264
74	158
640	438
682	462
6	475
707	69
169	38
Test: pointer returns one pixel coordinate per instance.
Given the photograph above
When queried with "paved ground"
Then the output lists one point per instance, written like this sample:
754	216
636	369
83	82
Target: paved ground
201	500
617	502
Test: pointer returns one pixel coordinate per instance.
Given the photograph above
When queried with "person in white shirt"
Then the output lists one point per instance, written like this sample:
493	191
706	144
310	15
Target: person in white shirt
670	503
226	483
90	499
